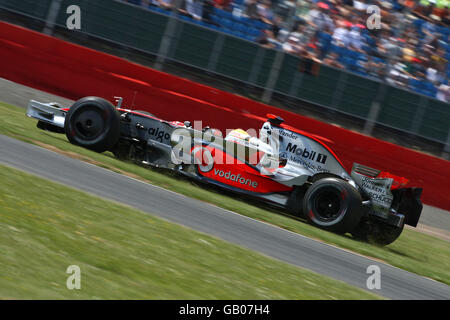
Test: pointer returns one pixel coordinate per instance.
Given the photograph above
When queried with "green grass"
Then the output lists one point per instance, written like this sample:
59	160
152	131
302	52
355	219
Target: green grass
126	254
413	251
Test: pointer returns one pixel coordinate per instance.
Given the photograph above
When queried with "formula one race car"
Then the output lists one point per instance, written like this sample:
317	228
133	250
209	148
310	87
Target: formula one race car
284	166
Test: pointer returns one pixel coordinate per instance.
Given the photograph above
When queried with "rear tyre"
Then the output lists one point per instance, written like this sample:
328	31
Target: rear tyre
93	123
333	204
377	233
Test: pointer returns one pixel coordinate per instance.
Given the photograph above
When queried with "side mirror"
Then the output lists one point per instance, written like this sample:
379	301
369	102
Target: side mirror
118	100
274	119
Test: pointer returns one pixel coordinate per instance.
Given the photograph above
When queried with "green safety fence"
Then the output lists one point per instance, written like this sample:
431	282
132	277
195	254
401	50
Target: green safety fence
36	9
435	121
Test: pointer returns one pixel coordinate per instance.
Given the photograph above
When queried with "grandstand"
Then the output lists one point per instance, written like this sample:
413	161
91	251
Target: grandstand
410	50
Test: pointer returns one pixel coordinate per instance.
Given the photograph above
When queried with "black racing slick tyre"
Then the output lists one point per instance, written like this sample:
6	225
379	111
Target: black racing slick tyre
333	204
377	233
384	234
93	123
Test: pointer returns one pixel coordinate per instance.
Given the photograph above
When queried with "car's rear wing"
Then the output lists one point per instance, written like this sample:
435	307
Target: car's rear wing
377	189
50	113
397	182
390	199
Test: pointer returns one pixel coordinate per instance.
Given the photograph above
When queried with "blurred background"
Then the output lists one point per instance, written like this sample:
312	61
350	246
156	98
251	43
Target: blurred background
318	58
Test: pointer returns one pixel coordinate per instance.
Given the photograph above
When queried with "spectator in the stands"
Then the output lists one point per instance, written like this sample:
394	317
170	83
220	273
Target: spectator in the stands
332	60
223	4
375	68
443	93
390	44
319	18
334	7
446	18
302	10
397	75
432	73
409	54
360	5
340	35
281	29
286	9
356	40
429	29
265	12
292	45
410	4
390	19
441	8
419	67
439	59
269	40
412	37
165	4
304	33
251	9
195	8
424	8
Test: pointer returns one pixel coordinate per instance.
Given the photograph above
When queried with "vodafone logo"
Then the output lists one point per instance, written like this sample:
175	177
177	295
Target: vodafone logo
237	178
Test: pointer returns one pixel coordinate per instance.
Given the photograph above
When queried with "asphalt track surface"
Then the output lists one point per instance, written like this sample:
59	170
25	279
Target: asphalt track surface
246	232
19	95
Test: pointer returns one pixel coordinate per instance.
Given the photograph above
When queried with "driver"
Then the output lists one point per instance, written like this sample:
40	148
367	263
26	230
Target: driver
238	136
256	149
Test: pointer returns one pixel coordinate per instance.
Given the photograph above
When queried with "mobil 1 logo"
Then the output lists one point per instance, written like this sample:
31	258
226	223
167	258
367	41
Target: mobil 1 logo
305	153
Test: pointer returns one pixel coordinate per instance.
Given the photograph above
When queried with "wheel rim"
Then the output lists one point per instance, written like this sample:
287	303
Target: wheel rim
88	123
327	204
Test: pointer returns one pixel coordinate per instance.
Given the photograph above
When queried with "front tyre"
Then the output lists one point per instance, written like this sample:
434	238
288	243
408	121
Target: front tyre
333	204
93	123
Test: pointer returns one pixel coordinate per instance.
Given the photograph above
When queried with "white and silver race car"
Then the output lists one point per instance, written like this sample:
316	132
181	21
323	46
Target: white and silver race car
283	166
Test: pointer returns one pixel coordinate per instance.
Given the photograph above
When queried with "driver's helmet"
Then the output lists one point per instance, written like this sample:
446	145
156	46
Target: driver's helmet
238	135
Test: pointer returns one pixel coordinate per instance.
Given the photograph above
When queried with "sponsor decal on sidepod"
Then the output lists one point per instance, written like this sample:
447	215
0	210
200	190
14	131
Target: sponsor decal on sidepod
237	178
159	134
308	154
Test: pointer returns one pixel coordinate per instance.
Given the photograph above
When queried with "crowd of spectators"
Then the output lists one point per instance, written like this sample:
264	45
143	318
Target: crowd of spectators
410	47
